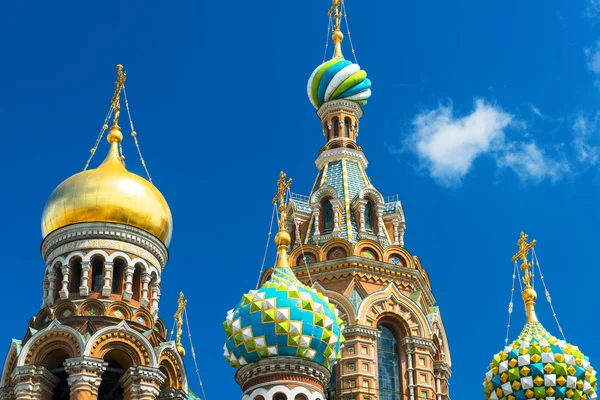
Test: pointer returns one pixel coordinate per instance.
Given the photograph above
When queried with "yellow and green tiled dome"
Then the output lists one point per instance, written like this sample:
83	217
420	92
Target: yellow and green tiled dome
338	78
539	366
284	318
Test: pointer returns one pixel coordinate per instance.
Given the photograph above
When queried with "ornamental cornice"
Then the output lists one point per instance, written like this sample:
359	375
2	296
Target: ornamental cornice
341	152
104	235
339	105
354	264
360	330
282	365
410	342
85	364
442	369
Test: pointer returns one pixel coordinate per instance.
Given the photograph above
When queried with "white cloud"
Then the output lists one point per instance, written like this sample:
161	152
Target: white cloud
593	9
447	146
585	135
593	60
537	111
531	163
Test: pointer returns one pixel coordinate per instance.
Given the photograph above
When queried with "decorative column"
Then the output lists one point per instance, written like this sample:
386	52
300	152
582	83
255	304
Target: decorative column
316	211
51	283
84	290
298	235
128	293
64	291
396	223
45	294
145	281
33	383
380	225
142	383
172	394
7	394
361	210
84	376
108	269
155	298
409	350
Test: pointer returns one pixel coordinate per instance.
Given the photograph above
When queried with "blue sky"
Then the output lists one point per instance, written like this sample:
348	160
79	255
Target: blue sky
484	119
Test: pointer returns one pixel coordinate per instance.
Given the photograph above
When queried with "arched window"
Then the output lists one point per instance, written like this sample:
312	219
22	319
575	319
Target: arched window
388	365
58	282
369	216
117	277
336	127
327	216
97	264
75	275
136	286
279	396
347	125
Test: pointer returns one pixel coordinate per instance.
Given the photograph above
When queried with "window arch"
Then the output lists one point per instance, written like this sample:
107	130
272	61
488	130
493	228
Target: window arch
136	285
336	127
75	275
327	216
58	281
347	124
279	396
369	216
117	277
97	267
388	365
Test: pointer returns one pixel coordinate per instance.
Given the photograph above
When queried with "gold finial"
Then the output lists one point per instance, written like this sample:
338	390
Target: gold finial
529	295
116	100
282	239
337	35
181	303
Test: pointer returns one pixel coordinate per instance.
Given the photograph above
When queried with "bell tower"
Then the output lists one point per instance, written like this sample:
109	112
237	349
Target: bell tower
106	233
348	242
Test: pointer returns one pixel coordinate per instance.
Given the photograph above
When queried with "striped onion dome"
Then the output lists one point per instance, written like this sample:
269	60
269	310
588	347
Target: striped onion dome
338	78
539	366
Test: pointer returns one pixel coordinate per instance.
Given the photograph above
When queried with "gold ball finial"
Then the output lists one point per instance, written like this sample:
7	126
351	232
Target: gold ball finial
337	36
283	238
114	135
529	294
180	350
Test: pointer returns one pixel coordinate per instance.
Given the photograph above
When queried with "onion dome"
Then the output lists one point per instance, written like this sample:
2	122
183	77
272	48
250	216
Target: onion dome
338	79
538	365
284	318
109	193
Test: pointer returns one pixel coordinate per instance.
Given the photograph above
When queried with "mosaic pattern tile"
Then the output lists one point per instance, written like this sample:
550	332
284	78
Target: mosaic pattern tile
283	318
539	366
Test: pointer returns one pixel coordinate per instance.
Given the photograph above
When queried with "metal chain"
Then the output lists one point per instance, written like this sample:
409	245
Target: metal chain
172	331
510	305
327	39
548	297
348	30
262	267
99	138
187	322
300	241
134	134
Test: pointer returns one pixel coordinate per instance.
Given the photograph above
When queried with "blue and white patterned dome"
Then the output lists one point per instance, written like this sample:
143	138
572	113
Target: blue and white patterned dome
539	366
284	318
338	78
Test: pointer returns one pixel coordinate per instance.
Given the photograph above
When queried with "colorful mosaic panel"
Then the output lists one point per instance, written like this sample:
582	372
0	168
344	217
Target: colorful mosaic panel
283	318
368	254
336	253
539	366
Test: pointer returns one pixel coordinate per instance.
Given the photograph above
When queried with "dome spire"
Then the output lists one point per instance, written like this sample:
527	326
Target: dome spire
529	294
114	135
282	239
337	35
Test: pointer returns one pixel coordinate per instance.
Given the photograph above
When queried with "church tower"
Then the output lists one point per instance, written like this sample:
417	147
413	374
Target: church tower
97	335
348	242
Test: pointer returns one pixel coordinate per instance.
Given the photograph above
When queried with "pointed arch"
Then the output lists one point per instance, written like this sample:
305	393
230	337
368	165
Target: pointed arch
390	300
10	362
54	336
169	358
129	343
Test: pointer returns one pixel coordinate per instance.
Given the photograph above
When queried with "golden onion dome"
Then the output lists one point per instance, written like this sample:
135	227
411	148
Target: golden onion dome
109	193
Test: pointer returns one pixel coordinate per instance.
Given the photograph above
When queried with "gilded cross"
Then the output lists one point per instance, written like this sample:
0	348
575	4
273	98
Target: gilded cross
181	303
282	187
523	252
337	14
116	100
